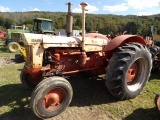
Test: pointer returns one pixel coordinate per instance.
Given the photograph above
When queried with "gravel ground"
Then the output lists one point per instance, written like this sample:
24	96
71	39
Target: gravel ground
6	60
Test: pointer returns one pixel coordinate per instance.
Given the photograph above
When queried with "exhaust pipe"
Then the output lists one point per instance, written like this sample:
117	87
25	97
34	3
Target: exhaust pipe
83	5
69	20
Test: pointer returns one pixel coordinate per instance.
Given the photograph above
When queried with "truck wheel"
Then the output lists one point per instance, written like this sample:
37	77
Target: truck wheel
13	47
51	97
25	80
128	71
157	102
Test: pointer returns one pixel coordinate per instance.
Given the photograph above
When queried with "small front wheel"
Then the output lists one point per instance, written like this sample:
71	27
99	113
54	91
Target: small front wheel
51	97
13	47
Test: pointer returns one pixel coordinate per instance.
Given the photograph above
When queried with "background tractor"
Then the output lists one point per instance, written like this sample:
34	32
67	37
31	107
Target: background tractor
125	60
14	35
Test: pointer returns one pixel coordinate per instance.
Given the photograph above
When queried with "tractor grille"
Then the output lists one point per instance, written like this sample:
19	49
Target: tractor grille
16	36
29	56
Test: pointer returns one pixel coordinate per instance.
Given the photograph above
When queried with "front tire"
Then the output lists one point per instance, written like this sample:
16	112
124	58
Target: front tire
51	97
13	47
128	71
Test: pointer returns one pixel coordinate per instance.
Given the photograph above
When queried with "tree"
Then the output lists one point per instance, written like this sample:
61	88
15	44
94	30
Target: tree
8	23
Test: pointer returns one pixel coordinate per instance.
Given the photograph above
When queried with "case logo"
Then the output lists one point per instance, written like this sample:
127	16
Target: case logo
36	40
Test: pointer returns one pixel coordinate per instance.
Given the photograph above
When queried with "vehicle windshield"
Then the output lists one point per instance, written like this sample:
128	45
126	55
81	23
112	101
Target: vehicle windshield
47	25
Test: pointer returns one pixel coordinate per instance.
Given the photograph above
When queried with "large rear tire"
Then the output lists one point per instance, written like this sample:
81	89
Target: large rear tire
128	71
13	47
51	97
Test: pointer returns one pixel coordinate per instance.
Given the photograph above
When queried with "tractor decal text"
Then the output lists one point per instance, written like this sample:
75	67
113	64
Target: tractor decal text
36	40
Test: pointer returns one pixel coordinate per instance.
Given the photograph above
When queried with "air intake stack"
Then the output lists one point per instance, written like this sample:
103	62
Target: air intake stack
83	5
69	20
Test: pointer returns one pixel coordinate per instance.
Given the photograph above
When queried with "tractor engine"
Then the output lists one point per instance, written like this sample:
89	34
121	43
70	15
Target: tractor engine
69	61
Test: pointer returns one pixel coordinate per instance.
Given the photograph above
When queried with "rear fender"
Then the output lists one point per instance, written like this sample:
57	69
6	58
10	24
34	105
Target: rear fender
122	39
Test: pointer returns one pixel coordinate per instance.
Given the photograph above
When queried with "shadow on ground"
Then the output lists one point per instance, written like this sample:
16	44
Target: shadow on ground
87	91
144	114
17	98
155	75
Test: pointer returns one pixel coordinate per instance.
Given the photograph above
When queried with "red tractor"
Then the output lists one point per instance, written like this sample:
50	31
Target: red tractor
125	60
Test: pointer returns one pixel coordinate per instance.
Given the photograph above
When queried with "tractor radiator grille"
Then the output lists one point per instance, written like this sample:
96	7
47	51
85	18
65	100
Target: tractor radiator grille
29	57
16	36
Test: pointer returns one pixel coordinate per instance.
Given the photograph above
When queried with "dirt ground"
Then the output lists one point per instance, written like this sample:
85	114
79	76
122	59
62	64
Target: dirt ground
82	113
6	60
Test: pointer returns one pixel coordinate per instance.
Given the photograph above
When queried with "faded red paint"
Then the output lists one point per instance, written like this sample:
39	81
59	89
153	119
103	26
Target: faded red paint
34	74
96	35
53	99
75	61
120	40
132	73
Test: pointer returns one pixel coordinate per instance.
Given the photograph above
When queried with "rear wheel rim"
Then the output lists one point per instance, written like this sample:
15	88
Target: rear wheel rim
13	47
132	72
136	74
54	99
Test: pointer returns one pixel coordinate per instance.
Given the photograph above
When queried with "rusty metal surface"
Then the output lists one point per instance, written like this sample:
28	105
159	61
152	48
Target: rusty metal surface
149	42
132	72
96	35
54	99
119	40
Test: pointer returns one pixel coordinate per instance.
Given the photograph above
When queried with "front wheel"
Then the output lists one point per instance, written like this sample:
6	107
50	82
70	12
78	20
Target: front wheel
128	71
13	47
51	96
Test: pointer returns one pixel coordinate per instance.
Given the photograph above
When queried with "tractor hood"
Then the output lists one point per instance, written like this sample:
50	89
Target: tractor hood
91	44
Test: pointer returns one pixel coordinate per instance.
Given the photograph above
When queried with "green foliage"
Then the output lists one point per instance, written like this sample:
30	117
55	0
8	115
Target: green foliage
105	24
1	27
8	23
76	28
30	26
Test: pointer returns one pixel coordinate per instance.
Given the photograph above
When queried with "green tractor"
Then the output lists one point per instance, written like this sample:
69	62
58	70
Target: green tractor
43	26
40	26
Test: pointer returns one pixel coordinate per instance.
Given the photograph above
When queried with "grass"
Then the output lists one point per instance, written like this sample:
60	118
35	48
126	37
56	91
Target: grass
4	52
14	98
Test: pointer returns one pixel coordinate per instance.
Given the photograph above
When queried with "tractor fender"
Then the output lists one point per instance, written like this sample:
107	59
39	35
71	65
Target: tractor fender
120	40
